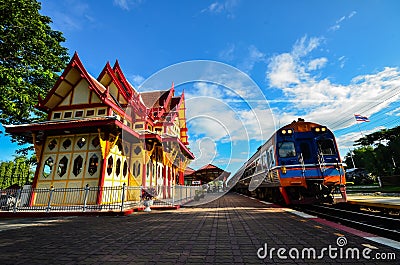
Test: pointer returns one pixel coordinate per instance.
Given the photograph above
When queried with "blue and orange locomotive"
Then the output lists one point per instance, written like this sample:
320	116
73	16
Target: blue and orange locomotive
299	164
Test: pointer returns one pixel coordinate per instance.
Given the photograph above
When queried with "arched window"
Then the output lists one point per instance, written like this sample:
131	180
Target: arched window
66	143
136	169
118	167
78	164
125	170
93	163
110	165
52	144
96	141
81	142
48	167
62	166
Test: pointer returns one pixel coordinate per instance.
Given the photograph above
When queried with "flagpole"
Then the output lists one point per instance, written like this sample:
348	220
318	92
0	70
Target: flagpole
358	118
358	125
351	156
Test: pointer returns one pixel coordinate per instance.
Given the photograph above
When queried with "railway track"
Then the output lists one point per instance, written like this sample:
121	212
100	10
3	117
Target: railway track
385	226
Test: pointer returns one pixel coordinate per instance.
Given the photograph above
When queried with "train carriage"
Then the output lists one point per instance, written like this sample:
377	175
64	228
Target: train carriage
299	164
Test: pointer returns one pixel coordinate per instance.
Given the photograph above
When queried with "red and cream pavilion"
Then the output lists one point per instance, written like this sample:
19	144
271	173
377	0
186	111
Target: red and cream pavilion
101	132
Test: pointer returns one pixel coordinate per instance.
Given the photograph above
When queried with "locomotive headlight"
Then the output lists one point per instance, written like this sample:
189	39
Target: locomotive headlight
283	169
320	129
286	131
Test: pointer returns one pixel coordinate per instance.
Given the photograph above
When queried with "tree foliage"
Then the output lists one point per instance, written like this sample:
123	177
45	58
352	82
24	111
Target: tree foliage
17	172
30	58
379	152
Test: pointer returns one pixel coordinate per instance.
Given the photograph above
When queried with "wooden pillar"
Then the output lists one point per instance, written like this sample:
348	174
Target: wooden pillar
165	168
37	174
103	173
169	181
181	178
144	172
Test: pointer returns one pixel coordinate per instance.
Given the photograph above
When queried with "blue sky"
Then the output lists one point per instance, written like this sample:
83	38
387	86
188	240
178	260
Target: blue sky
320	60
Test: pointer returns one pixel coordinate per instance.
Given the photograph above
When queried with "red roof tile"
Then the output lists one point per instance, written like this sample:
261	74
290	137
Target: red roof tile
209	166
154	99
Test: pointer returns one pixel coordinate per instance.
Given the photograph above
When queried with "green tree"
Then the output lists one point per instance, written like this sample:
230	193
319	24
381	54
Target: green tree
3	169
363	157
30	58
19	171
379	152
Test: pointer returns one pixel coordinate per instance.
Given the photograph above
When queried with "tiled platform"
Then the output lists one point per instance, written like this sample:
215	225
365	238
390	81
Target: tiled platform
375	200
230	230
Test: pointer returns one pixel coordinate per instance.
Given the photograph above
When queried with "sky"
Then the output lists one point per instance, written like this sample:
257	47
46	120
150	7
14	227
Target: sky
246	67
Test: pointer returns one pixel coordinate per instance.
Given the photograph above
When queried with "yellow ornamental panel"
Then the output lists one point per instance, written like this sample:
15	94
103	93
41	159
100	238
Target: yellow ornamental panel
75	196
95	99
113	90
66	101
73	76
59	194
41	195
81	93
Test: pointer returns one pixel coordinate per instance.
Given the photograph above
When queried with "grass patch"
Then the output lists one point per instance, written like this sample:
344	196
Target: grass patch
372	188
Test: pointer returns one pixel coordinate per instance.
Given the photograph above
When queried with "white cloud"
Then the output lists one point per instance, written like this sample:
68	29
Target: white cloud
395	112
319	99
254	56
317	63
122	4
341	20
137	80
216	7
351	14
342	60
288	69
227	53
305	45
70	15
222	7
282	71
334	27
127	4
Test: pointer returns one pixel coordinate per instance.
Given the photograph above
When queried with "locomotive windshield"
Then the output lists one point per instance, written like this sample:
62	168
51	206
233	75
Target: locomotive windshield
287	149
305	150
326	147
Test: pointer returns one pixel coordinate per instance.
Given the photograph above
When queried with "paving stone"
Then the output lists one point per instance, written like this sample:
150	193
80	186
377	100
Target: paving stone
228	230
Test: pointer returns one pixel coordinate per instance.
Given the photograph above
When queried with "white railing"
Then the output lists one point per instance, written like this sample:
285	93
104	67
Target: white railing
88	198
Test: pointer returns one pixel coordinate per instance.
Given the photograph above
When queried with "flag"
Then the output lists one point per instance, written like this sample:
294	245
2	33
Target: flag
361	118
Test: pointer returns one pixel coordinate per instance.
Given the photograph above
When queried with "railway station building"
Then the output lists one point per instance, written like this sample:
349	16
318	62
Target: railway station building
102	132
206	174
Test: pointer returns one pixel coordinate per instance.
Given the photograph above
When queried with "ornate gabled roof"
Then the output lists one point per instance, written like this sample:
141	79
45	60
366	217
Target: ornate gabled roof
209	166
124	82
108	76
155	99
74	73
175	102
77	89
188	171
